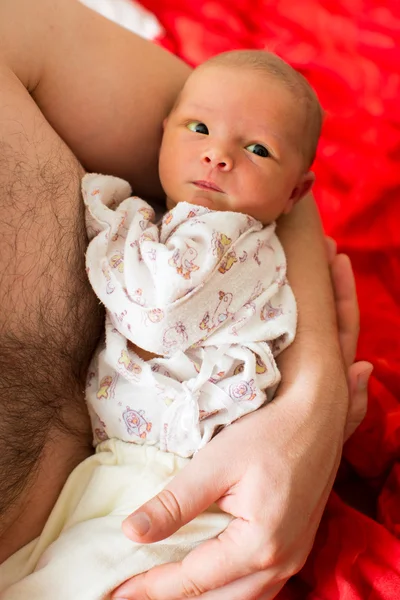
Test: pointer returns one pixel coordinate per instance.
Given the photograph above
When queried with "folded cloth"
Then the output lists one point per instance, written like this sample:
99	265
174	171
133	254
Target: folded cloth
82	553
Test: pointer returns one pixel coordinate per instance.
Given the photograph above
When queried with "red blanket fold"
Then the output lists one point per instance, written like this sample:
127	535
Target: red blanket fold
350	52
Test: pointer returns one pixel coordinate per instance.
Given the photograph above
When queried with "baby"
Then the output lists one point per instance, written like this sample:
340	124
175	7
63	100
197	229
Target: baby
205	292
197	308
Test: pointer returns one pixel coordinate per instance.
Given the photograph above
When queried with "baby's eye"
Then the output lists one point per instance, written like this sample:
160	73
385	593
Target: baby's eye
197	127
259	150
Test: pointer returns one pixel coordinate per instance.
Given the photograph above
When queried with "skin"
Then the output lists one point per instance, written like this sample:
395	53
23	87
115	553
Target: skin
232	143
50	111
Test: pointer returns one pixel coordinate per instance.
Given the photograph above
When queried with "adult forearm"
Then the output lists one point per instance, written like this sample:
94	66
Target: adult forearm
308	272
315	353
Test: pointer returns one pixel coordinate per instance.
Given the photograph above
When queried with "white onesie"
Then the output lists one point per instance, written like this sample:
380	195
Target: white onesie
204	290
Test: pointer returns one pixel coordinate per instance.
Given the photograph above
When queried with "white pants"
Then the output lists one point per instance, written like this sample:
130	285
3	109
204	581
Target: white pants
82	553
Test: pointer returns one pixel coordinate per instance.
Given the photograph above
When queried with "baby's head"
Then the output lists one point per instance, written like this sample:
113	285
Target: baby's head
242	136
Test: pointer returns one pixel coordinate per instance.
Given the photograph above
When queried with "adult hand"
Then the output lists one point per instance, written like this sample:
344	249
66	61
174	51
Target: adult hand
274	472
348	319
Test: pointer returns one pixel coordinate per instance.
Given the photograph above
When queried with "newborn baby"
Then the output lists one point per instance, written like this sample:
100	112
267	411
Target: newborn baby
205	291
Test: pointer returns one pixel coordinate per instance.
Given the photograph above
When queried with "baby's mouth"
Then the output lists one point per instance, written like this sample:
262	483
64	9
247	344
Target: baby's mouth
207	185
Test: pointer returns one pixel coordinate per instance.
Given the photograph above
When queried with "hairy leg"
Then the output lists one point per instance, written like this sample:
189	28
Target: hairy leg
65	74
49	320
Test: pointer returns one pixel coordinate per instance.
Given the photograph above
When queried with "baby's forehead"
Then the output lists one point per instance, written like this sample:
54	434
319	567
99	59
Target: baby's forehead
239	78
275	93
214	70
244	78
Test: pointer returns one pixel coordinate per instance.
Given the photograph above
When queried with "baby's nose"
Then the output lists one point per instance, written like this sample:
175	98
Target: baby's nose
216	158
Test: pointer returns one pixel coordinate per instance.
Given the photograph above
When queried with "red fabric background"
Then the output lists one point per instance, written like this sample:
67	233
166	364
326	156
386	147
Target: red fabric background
350	52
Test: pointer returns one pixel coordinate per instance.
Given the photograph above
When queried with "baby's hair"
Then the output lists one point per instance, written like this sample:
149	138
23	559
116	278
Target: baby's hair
262	60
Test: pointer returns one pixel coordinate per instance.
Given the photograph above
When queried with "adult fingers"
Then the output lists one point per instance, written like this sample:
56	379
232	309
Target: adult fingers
212	565
253	587
347	311
191	492
358	377
348	319
331	248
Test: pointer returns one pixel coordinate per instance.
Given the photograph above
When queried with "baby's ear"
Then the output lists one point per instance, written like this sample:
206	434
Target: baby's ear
302	188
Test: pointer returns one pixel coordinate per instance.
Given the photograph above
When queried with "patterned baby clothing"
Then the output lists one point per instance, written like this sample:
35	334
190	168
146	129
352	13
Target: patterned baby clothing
206	291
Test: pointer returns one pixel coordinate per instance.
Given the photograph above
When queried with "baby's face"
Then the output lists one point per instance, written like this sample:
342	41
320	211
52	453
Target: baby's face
232	143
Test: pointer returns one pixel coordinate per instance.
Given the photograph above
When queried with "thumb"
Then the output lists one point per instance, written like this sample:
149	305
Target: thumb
189	493
358	376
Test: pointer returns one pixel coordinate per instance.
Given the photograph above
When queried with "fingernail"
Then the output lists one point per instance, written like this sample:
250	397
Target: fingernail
363	378
140	523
